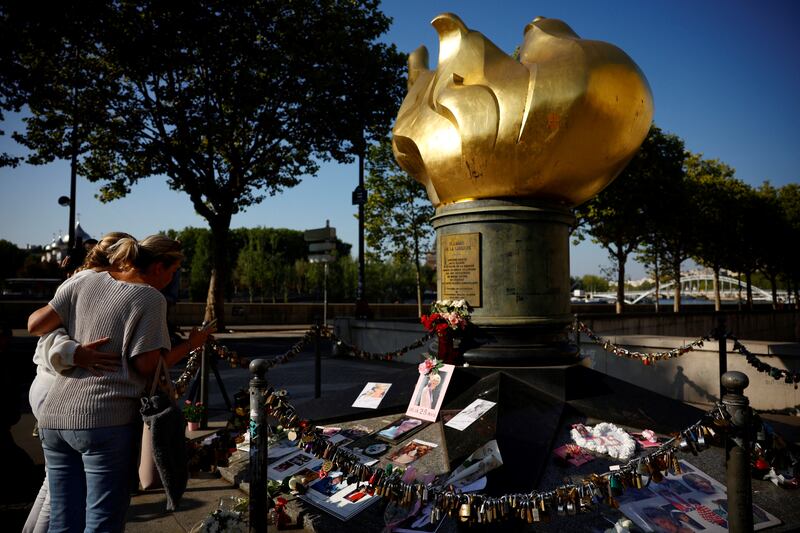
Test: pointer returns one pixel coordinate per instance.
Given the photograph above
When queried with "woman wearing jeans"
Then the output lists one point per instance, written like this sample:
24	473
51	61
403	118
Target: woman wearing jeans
89	423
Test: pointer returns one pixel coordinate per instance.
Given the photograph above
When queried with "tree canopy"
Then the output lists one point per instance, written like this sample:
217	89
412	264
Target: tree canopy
621	217
231	101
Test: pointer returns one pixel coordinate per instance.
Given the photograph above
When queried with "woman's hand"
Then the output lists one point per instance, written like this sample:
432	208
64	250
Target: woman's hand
199	336
87	356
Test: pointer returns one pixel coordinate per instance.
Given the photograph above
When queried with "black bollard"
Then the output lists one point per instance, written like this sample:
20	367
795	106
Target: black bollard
258	446
737	453
317	362
722	337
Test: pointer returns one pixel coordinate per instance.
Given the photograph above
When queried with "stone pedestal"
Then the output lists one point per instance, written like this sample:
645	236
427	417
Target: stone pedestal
509	258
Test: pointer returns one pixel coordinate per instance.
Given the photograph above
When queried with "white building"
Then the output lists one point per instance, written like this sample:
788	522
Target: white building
57	250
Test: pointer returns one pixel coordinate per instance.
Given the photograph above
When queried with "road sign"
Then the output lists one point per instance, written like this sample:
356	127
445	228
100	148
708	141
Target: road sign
321	258
359	195
320	234
321	246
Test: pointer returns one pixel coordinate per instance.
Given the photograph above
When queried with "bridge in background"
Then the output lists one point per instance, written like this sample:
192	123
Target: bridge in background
697	286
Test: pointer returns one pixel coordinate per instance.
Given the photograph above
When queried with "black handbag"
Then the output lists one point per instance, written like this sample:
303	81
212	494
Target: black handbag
168	436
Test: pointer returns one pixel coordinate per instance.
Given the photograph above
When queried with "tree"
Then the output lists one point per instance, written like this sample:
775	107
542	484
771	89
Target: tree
745	223
617	218
592	283
267	260
398	213
770	245
231	101
55	65
789	199
11	259
716	195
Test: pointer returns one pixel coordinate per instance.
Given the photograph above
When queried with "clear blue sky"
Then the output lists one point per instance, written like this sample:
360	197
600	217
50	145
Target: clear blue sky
725	76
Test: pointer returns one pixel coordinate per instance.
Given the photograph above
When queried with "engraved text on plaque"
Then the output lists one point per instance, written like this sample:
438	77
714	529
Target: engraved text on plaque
461	268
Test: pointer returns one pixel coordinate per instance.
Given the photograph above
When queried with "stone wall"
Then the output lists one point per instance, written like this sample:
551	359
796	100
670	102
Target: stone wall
762	323
694	376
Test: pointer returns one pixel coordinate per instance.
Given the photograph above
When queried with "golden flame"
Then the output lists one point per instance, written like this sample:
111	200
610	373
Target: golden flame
558	124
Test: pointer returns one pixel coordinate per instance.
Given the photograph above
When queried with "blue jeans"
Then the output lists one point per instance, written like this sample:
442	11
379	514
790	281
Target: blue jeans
89	473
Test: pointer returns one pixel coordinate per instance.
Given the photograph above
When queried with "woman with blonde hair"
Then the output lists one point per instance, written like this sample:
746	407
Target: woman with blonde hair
57	353
97	257
89	423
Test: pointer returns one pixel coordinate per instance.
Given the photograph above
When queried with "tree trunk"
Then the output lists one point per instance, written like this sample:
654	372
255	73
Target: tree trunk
748	278
215	303
717	296
773	281
739	290
620	283
419	276
676	304
211	300
658	285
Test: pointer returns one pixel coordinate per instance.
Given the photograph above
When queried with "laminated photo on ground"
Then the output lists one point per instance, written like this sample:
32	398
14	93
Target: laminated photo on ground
685	503
470	414
291	464
372	395
336	496
401	429
410	452
476	466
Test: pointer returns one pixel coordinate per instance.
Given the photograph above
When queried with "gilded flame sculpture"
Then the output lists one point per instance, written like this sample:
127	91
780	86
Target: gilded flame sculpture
557	125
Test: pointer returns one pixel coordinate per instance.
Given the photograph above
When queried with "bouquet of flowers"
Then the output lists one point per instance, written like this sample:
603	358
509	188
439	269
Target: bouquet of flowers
229	517
430	365
447	314
193	412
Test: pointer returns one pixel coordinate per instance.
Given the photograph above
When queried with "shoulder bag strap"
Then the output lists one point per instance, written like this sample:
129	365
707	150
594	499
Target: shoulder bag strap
162	370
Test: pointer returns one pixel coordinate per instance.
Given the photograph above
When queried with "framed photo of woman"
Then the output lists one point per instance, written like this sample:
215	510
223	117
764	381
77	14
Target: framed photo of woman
429	393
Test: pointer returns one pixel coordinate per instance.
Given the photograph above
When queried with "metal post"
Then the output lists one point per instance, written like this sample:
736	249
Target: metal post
737	453
317	362
360	289
73	178
325	298
204	374
722	337
258	446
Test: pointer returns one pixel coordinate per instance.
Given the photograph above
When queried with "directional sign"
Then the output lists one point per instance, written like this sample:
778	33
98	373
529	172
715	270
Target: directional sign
320	234
321	246
359	195
321	258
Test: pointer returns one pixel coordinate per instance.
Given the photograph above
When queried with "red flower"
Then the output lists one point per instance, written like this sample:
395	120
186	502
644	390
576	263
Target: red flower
431	321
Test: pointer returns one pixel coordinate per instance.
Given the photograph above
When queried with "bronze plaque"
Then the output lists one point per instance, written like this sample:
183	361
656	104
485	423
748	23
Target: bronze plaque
461	268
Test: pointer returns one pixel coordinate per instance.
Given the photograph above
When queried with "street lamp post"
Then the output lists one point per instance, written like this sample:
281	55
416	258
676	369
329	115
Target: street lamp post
360	198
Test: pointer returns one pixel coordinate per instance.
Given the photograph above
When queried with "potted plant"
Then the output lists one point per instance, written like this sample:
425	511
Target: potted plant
193	413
